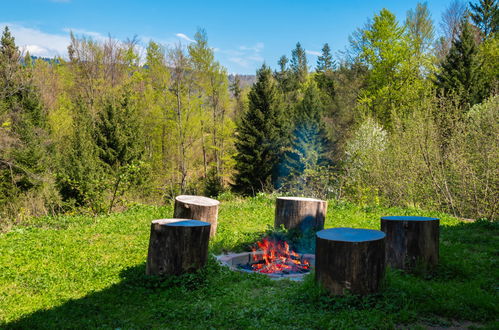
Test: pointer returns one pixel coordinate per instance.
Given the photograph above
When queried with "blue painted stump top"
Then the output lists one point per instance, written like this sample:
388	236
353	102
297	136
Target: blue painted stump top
408	218
180	223
188	223
344	234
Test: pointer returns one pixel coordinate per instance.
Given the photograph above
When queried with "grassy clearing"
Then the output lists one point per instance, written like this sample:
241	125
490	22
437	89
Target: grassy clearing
82	272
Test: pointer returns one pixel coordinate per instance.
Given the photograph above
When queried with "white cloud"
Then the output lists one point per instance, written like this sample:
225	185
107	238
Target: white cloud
183	36
245	56
81	32
313	52
258	47
240	61
39	43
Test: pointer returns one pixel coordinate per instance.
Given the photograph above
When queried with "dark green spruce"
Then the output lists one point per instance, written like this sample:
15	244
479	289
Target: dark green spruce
461	73
261	135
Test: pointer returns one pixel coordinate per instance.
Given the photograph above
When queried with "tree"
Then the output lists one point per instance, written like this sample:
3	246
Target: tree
309	145
24	142
119	143
450	25
485	15
299	66
324	72
385	49
261	136
212	82
461	73
420	29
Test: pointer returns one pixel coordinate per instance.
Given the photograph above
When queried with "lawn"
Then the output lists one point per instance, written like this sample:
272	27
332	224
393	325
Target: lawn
88	272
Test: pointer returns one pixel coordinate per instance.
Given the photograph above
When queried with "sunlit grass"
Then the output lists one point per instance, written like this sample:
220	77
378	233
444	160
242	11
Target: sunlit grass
80	272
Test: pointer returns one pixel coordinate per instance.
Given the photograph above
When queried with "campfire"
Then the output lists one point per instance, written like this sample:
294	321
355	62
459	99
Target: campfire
271	256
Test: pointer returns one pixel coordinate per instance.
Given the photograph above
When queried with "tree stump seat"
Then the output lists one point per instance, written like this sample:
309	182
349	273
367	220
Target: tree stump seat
350	260
411	242
197	208
177	246
300	212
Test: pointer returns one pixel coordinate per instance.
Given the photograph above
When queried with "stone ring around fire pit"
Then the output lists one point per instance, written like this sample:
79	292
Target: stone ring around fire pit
238	261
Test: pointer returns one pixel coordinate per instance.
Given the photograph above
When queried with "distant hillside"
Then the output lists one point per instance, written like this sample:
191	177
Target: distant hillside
246	79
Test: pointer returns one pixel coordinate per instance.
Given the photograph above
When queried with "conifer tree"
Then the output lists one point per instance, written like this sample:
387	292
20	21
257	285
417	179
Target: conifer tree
485	15
324	71
23	122
119	143
261	136
299	65
461	70
309	141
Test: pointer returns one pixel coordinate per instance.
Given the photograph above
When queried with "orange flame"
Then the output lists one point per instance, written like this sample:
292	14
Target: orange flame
277	258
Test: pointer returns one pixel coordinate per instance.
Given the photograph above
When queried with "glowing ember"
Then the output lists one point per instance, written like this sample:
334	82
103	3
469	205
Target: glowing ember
277	258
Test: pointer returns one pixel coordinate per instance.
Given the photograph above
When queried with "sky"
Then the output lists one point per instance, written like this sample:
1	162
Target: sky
243	34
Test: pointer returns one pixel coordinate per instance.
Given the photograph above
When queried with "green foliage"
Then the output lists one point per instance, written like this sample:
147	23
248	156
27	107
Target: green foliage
415	165
461	73
325	71
298	65
261	136
398	61
485	15
307	155
24	147
88	272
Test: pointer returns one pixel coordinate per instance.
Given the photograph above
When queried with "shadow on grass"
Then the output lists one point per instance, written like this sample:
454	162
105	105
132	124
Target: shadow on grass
462	288
106	308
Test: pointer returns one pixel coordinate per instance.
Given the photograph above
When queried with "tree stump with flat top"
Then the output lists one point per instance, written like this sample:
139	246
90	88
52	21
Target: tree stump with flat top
177	246
350	260
411	242
300	212
197	208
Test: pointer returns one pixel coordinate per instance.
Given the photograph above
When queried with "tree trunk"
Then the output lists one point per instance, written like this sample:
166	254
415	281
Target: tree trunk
177	246
197	208
411	242
350	259
299	212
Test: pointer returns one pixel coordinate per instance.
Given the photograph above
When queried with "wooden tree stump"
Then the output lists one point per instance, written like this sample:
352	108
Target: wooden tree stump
177	246
411	241
197	208
299	212
350	259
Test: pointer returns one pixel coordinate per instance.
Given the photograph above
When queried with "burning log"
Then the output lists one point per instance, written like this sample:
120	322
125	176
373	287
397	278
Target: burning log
276	257
197	208
177	246
350	259
299	212
411	241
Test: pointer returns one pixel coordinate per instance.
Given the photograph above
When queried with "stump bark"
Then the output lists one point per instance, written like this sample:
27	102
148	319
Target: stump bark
299	212
177	246
411	242
349	259
197	208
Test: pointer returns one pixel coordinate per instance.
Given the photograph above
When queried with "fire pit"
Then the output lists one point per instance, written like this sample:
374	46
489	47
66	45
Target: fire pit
272	258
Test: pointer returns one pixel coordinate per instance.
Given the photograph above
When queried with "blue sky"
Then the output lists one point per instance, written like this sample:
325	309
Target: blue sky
244	34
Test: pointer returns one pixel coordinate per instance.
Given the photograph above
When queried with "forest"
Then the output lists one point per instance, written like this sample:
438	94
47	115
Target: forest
406	116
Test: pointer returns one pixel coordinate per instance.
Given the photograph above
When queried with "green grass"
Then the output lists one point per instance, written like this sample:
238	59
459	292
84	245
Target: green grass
88	272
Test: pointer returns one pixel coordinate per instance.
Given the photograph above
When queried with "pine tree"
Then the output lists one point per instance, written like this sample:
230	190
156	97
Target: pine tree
299	65
309	144
119	143
24	146
461	74
485	15
324	71
261	136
